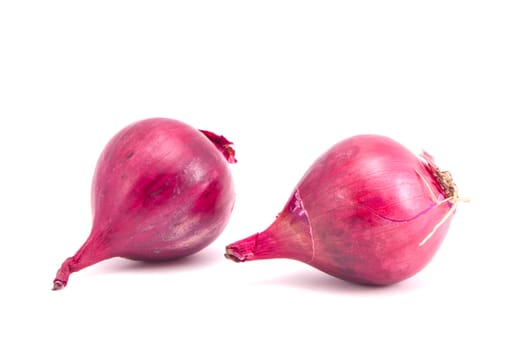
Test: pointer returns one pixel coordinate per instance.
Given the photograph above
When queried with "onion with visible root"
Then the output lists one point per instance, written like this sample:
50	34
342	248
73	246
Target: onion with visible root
161	190
367	211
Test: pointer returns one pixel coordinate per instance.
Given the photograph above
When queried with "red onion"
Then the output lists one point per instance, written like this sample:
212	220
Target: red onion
161	190
367	211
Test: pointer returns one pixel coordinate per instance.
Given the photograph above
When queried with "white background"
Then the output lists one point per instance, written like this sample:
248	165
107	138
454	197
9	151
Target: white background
284	80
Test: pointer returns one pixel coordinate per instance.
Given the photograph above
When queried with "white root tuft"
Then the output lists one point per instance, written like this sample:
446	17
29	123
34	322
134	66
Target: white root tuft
449	188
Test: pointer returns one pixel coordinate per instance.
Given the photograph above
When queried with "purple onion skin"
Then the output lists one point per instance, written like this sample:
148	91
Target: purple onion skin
362	213
161	190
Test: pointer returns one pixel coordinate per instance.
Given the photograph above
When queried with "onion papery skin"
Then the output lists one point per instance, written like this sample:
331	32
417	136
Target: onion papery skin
361	213
161	190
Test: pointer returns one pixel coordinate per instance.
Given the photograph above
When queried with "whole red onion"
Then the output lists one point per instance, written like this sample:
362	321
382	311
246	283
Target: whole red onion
161	190
367	211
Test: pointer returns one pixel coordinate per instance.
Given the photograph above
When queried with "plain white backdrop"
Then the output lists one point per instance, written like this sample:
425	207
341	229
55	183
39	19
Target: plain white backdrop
284	80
